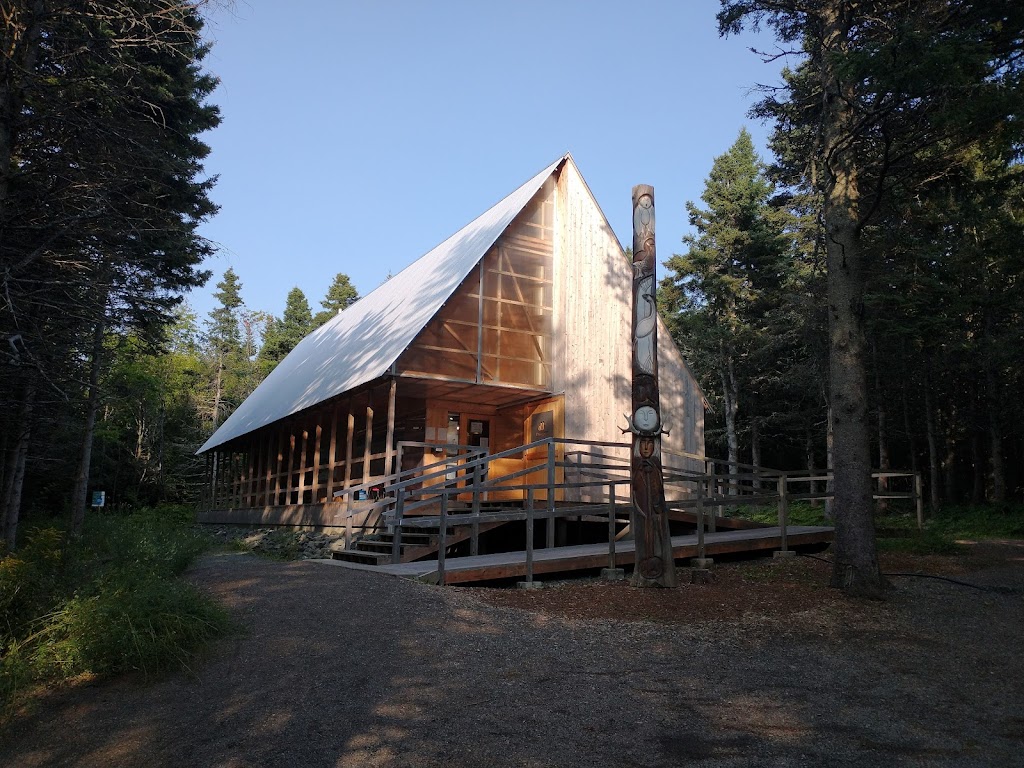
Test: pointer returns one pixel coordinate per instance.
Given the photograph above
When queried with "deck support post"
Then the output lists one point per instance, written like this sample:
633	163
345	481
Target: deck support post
655	566
701	552
442	542
474	541
396	529
529	536
783	512
611	525
549	529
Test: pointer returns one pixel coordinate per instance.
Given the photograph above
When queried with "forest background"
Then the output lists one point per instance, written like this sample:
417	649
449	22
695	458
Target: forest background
110	382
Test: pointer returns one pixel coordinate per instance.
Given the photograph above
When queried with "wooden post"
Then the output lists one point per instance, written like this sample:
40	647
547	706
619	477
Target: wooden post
389	450
655	565
348	446
611	525
442	543
529	536
301	497
250	479
332	451
474	541
700	519
348	520
319	437
396	530
291	466
783	512
549	529
277	468
269	468
367	442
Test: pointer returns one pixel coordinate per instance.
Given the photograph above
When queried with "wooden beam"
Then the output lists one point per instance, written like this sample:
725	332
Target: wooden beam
348	445
250	481
291	466
268	469
332	451
319	433
277	468
389	449
302	467
366	444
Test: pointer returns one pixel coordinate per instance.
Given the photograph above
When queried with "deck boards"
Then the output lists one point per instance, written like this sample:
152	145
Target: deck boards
504	565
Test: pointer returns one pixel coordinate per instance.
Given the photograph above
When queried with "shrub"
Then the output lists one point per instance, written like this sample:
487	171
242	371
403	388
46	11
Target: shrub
108	602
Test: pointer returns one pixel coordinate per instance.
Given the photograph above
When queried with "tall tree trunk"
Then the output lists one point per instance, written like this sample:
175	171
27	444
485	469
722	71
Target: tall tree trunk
883	437
949	470
21	48
217	393
855	567
14	472
911	438
995	437
830	465
730	394
80	495
933	447
755	451
977	469
809	448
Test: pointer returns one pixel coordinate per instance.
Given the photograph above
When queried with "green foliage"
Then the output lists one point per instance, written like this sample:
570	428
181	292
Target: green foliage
800	513
340	296
283	335
110	602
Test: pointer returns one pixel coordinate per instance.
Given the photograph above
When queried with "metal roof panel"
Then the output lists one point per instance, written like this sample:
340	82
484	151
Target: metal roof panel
361	343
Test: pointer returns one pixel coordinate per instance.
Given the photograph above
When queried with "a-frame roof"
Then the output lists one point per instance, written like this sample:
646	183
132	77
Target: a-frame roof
363	342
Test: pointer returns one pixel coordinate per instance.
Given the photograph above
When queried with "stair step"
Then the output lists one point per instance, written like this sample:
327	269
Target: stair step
356	556
380	546
418	539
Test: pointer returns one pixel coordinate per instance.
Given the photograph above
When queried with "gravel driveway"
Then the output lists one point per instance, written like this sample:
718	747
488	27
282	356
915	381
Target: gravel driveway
348	668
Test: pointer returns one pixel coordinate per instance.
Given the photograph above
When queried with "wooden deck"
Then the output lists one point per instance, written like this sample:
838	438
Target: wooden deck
506	565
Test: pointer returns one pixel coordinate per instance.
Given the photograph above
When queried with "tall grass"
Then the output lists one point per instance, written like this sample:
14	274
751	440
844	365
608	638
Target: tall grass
109	602
898	532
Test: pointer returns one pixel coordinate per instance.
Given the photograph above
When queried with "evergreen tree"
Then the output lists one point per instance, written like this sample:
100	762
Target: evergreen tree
340	296
717	284
888	96
101	192
283	335
224	339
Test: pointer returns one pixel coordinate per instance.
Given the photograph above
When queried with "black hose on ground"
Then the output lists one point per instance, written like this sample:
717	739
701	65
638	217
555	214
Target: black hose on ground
998	589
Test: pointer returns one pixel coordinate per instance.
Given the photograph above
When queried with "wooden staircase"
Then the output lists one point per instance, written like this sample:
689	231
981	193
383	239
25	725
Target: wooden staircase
419	544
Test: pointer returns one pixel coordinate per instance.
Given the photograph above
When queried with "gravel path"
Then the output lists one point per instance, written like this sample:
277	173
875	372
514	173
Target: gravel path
346	668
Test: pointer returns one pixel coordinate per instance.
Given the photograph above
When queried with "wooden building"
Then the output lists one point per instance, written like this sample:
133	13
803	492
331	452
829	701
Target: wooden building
516	327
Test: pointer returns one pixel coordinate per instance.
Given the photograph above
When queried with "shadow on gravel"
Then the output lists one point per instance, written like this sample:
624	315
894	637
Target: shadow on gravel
346	668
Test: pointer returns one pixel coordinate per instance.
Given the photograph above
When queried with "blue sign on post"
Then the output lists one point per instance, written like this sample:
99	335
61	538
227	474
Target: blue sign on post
99	498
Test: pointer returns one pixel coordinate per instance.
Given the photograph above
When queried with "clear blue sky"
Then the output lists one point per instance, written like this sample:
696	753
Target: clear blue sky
358	135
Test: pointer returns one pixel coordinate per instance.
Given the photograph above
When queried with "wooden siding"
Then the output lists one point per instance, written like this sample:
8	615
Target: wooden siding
593	281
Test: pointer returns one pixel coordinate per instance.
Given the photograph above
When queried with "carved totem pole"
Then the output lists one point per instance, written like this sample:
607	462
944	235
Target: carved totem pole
654	563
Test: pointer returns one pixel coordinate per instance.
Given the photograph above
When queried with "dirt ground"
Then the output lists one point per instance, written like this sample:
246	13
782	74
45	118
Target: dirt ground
764	667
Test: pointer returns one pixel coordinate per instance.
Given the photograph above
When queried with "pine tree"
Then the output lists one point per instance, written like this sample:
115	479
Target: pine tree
717	283
885	100
224	338
284	334
340	296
